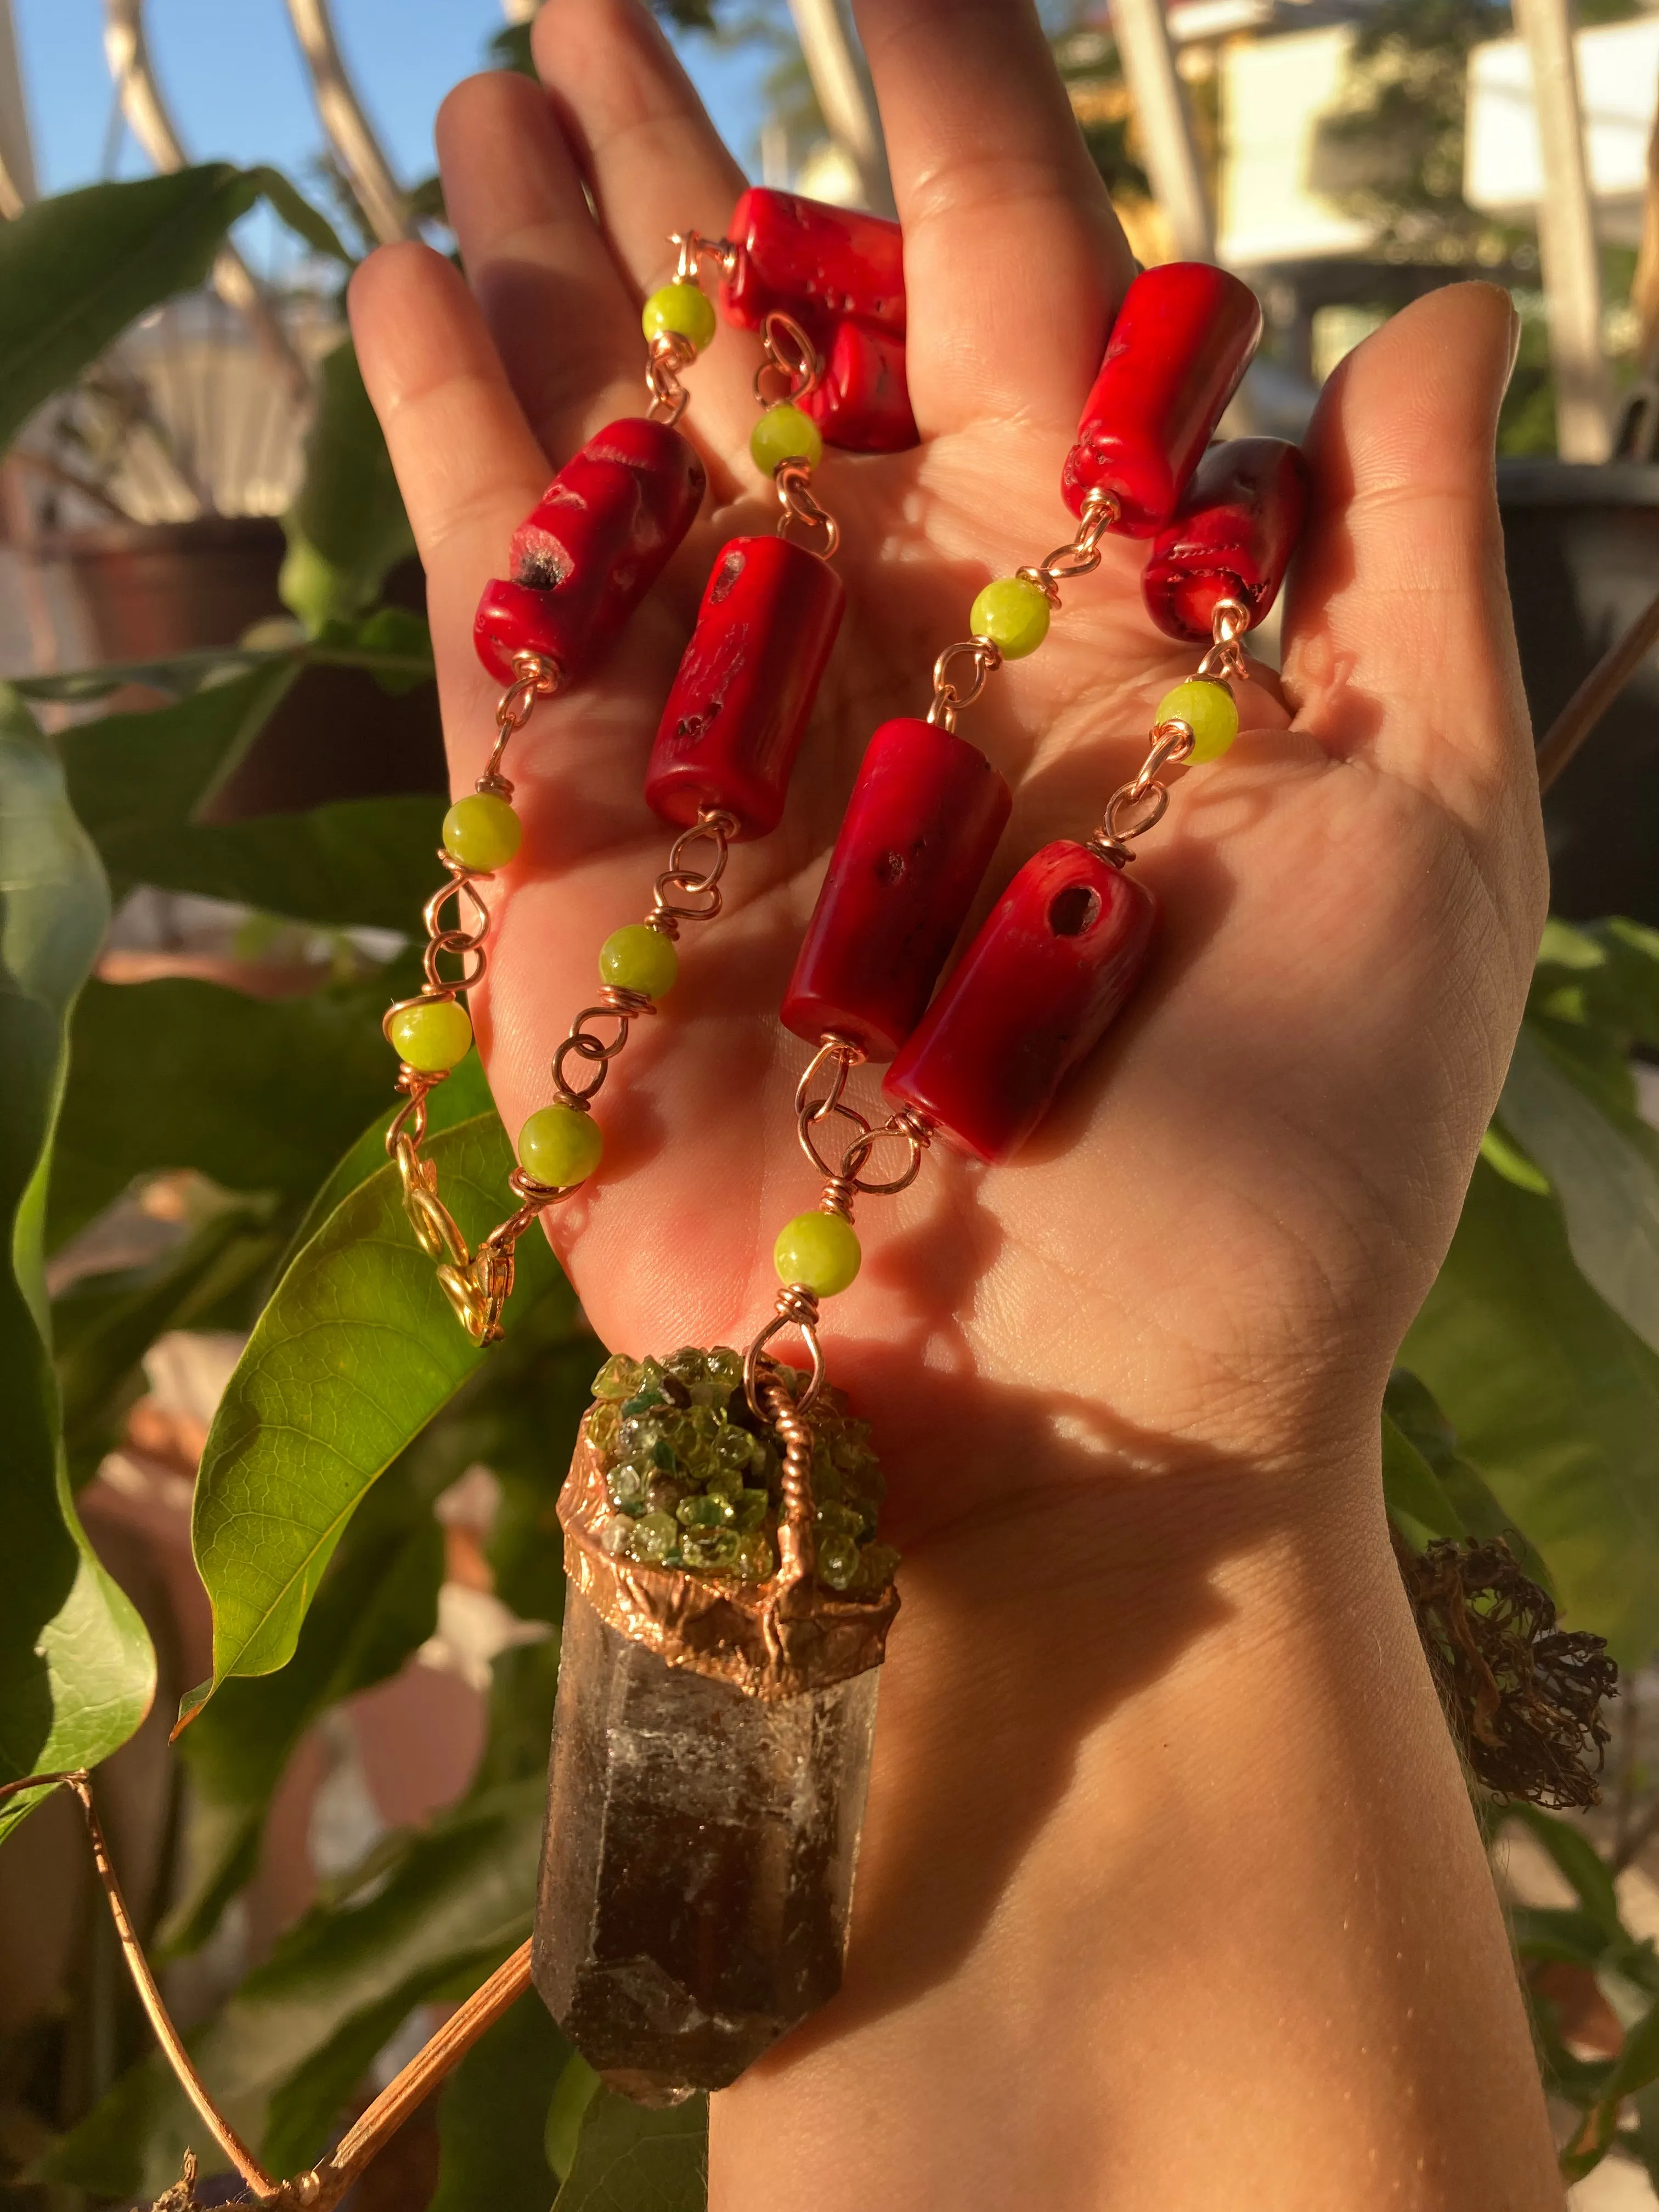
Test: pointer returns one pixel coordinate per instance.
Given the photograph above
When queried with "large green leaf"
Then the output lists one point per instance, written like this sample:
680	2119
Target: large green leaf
75	269
76	1672
378	1603
630	2159
137	780
1457	1500
348	527
391	645
427	1918
356	1352
492	2119
260	1094
1556	1401
1601	1164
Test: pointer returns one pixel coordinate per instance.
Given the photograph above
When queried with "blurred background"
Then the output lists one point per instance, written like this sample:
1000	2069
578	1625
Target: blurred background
204	515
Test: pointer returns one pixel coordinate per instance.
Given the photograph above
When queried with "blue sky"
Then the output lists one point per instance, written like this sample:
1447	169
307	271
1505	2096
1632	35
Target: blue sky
231	74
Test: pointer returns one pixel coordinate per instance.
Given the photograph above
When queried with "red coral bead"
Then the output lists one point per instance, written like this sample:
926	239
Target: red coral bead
820	264
740	705
1034	993
591	549
863	403
1182	339
1231	539
917	835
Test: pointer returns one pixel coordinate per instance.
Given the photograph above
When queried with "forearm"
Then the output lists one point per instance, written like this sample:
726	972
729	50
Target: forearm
1170	1875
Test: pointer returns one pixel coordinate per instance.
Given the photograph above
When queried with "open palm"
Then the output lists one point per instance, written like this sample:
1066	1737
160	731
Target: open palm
1202	1265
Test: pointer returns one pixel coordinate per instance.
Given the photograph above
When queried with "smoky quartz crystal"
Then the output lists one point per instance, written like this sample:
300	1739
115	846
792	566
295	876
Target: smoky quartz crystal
697	1873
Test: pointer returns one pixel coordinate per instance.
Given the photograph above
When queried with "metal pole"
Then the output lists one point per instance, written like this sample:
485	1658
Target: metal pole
128	56
17	185
379	193
844	94
1166	126
1566	237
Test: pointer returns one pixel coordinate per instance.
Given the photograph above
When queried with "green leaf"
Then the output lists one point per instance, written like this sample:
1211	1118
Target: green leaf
1578	1860
260	1095
378	1603
356	1352
137	780
1601	1168
1411	1489
77	1671
391	644
76	269
630	2159
492	2117
1556	1401
1463	1495
578	2086
304	220
430	1917
348	527
104	1325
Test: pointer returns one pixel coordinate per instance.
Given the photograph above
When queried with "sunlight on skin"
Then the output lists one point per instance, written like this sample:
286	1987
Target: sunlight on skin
1226	1913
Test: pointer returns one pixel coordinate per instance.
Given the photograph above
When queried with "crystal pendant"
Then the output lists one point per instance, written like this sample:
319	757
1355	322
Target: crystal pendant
713	1734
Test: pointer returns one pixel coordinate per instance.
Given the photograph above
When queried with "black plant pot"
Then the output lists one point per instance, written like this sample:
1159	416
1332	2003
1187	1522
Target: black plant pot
1582	547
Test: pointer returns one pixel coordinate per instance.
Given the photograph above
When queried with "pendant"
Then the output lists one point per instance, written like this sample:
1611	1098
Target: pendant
727	1613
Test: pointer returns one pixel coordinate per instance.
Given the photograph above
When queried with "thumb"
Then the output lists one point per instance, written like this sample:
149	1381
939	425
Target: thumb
1400	644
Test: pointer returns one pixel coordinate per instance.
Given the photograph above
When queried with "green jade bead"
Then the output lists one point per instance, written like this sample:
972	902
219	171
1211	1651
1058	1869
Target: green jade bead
784	433
637	958
431	1036
481	832
683	309
560	1146
1014	614
818	1249
1208	709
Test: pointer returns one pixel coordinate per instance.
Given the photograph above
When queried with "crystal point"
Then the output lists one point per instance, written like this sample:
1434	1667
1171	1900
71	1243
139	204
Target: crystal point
697	1873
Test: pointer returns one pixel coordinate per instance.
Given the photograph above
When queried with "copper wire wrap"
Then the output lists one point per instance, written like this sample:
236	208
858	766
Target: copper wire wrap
790	371
1141	804
476	1283
677	883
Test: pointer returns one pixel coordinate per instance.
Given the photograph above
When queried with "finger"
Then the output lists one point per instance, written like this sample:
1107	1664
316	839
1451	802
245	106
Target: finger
655	164
1400	645
563	322
467	462
1013	260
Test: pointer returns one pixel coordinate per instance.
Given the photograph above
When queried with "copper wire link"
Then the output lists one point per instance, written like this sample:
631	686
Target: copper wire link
677	882
796	1307
624	1008
789	354
802	507
1225	658
949	696
1080	555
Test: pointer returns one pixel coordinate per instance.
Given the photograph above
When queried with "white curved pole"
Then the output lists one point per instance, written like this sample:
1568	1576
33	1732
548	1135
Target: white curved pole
382	199
128	55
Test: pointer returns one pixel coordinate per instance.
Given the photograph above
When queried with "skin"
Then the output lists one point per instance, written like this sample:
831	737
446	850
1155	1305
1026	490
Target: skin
1171	1892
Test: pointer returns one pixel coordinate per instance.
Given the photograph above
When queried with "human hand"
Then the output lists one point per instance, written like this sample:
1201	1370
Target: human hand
1202	1265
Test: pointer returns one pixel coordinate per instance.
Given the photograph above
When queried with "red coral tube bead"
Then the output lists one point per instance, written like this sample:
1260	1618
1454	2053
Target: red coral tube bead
740	705
1034	993
593	545
917	835
1232	538
817	264
1182	339
863	405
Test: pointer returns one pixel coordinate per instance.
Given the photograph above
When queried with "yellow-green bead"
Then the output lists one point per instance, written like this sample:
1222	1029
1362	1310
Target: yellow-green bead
819	1250
1014	614
560	1145
431	1036
639	958
684	309
1209	709
481	832
785	434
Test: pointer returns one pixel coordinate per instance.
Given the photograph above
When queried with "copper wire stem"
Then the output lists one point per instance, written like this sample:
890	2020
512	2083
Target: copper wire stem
436	2057
78	1783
